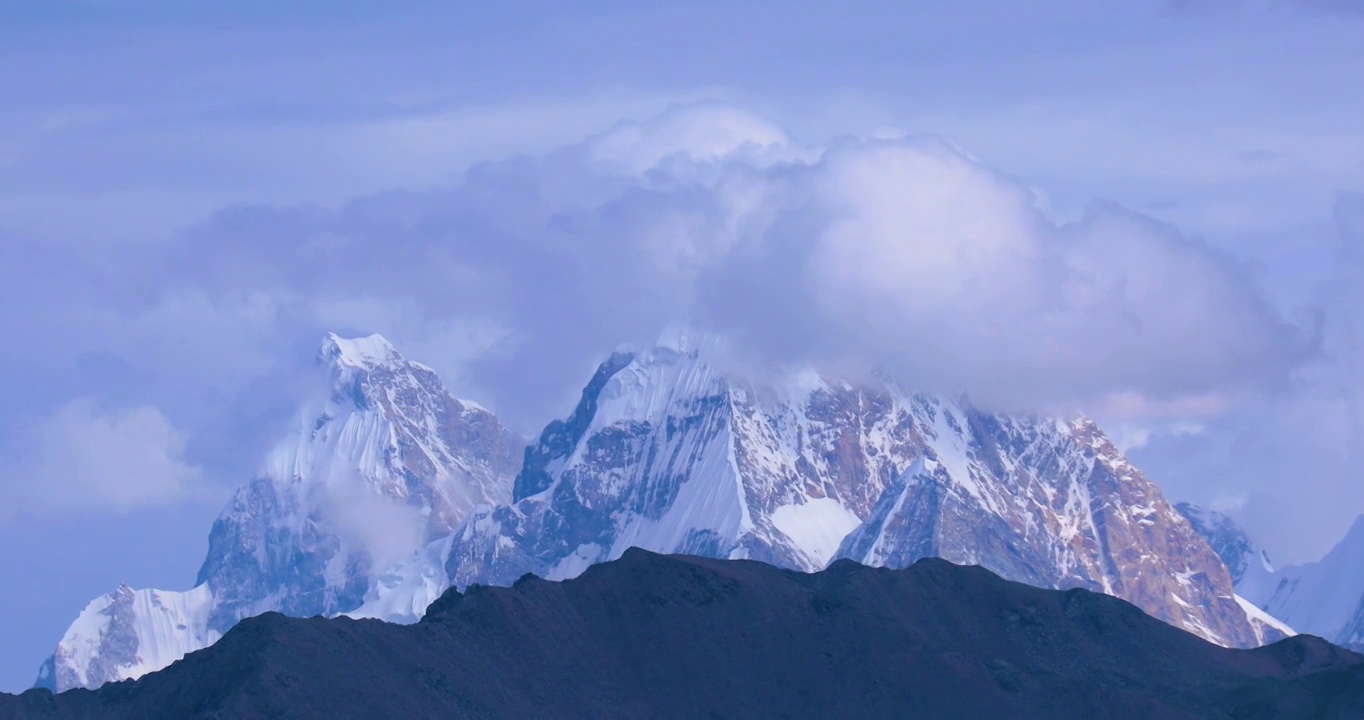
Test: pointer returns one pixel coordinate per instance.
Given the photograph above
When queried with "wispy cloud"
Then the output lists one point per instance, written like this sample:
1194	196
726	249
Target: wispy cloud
88	459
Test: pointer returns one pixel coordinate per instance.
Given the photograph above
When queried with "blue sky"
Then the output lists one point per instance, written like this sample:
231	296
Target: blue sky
161	165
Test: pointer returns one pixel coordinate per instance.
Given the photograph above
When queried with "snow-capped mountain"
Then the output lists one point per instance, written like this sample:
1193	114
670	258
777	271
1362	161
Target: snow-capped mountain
1053	504
1324	598
388	491
380	463
667	453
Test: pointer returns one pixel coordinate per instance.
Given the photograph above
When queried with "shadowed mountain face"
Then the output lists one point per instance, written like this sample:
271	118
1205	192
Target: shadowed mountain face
673	636
381	460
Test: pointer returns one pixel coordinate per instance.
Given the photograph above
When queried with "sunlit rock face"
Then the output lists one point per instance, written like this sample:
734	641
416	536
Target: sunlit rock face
667	453
388	490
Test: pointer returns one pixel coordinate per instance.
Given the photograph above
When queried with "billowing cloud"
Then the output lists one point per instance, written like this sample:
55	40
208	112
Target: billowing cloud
384	529
84	458
915	257
881	251
884	251
702	133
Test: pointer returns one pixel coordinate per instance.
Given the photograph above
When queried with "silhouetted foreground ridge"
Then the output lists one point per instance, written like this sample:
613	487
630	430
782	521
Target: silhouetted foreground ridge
681	637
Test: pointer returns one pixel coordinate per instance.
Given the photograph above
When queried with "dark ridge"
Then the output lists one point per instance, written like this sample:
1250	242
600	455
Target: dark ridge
683	637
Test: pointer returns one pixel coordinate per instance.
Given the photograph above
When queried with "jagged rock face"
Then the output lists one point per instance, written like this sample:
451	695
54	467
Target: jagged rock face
1243	558
389	441
1053	505
665	453
271	551
381	463
1252	574
117	633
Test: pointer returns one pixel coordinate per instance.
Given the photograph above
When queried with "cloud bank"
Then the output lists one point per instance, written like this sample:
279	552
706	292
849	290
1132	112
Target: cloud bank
888	252
87	459
902	253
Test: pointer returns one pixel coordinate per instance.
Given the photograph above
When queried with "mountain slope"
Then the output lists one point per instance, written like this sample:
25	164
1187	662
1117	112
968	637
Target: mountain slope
1252	574
1054	505
674	637
381	462
668	453
1324	598
1248	564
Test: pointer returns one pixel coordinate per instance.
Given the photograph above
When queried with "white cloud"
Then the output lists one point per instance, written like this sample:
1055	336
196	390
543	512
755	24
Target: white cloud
885	250
1134	437
86	459
897	252
696	133
911	256
386	529
1287	462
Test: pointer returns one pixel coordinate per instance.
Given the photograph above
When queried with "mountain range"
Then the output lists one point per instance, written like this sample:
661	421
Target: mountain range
684	637
389	490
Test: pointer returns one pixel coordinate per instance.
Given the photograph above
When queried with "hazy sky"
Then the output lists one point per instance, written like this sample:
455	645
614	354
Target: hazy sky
1151	211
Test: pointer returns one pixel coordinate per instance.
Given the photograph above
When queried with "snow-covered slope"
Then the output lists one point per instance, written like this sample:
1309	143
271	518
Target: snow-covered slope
667	453
388	491
403	592
127	633
1324	598
1268	628
378	465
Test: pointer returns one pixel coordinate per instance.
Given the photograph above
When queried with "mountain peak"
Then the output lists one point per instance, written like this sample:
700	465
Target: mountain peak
359	352
375	466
